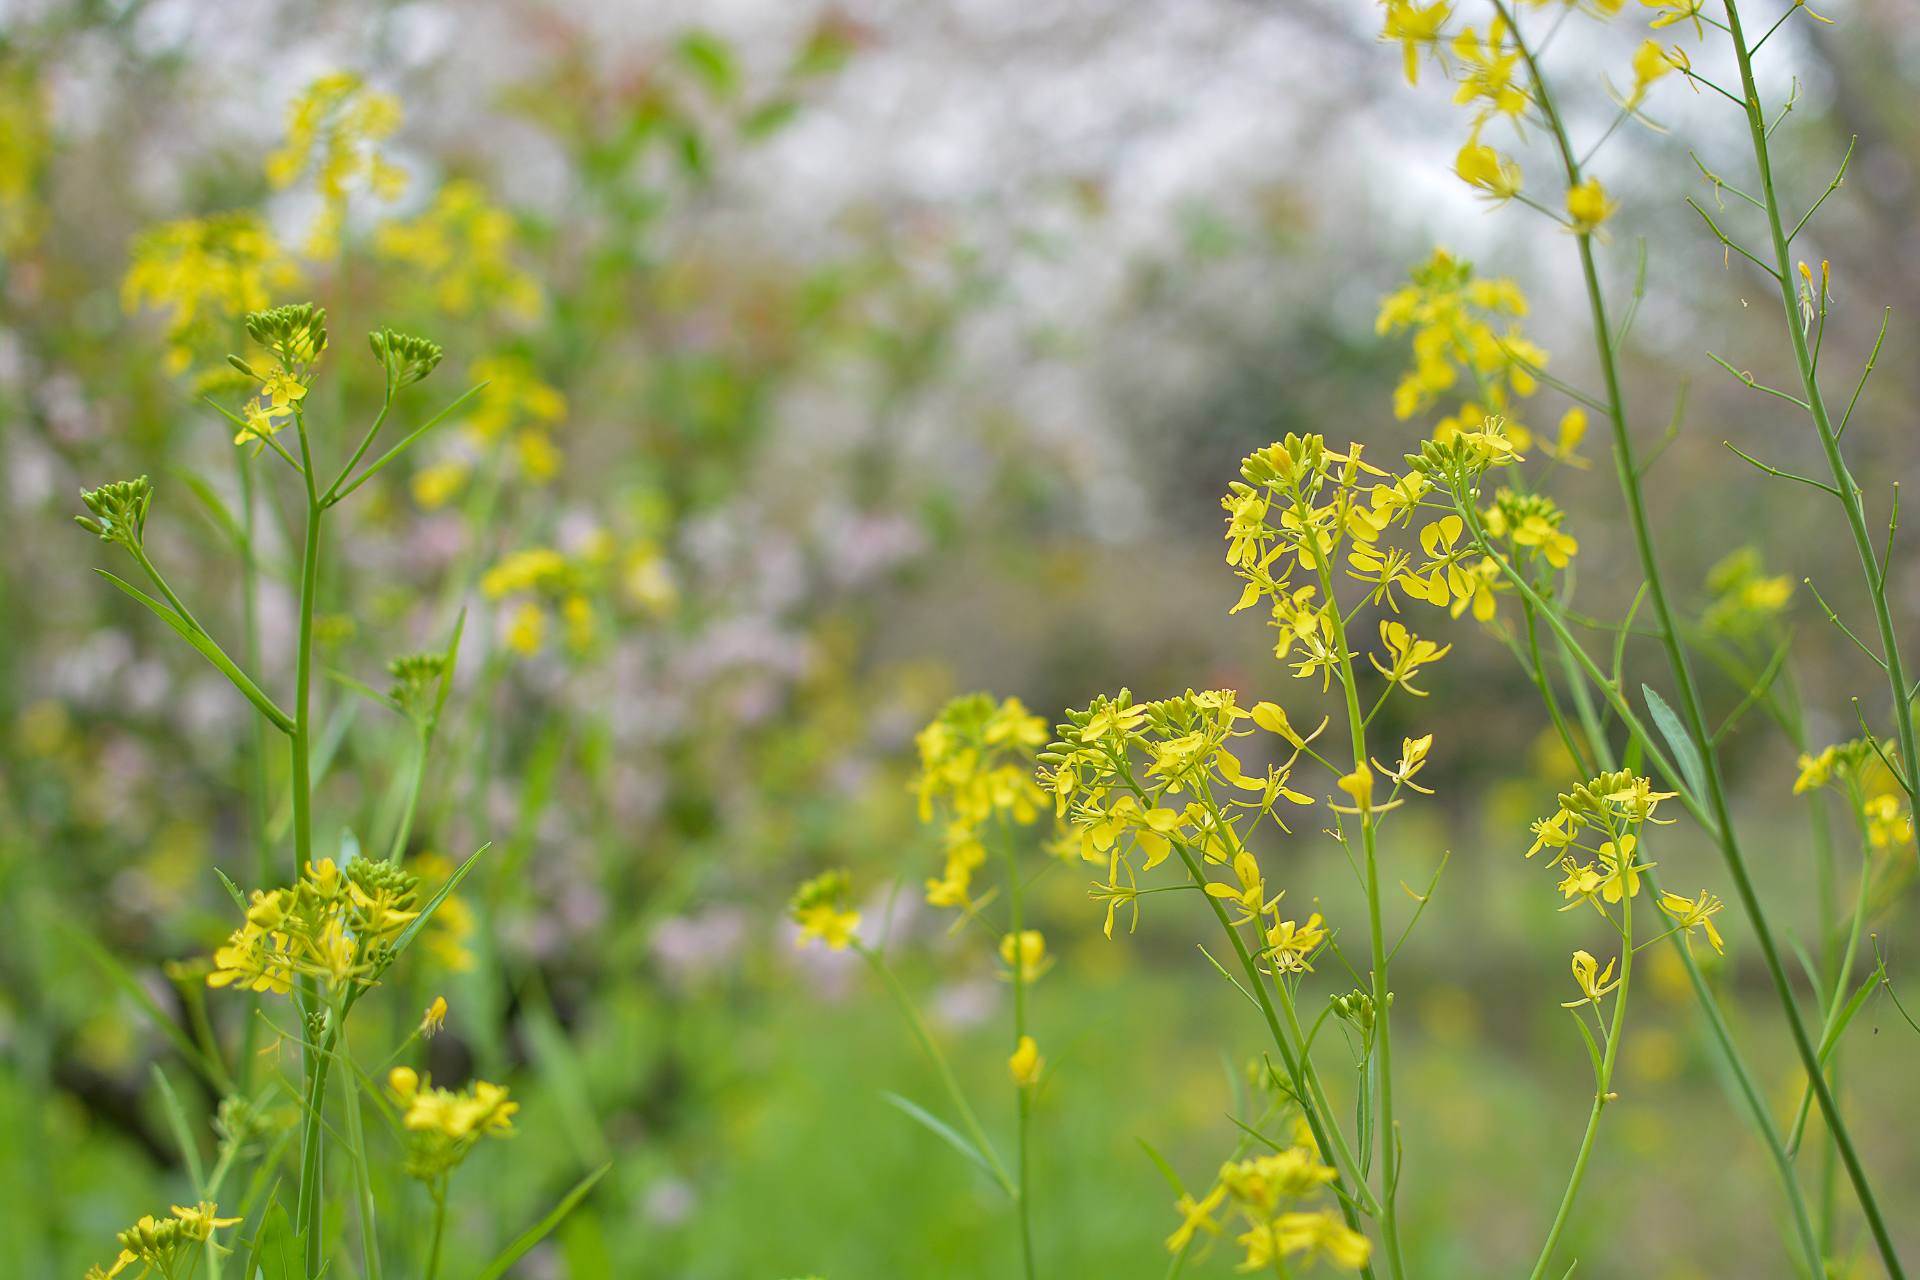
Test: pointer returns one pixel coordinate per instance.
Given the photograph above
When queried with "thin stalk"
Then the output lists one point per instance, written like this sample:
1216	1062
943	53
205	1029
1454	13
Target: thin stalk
303	670
1709	1003
363	1186
1804	359
1382	1019
947	1079
1602	1091
307	1216
439	1192
1023	1094
403	830
1690	702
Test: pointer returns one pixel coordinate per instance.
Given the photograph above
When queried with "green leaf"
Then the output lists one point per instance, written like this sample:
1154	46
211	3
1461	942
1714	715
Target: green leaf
233	890
216	509
208	650
406	442
1166	1170
769	118
131	986
538	1231
182	1131
944	1131
419	922
711	59
1686	757
278	1251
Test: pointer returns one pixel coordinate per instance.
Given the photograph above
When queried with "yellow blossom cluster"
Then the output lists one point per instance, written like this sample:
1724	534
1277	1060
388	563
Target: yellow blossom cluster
338	926
976	770
460	248
205	273
1266	1193
164	1246
537	581
819	907
1137	779
1744	597
516	405
1867	778
444	1125
334	128
1468	348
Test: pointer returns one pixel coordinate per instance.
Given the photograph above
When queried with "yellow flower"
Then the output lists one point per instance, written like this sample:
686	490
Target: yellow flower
461	250
1493	175
1025	1063
1407	653
1196	1216
1622	872
1816	771
1488	72
1415	27
1588	206
1290	943
1650	62
1593	981
1025	954
835	928
527	629
1322	1235
1413	758
435	1019
1696	913
1249	898
1672	11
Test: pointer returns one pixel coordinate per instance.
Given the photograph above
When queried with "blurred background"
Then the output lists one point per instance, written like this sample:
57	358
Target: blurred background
846	358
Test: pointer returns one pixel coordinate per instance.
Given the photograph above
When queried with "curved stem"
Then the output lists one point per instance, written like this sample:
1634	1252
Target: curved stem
1691	706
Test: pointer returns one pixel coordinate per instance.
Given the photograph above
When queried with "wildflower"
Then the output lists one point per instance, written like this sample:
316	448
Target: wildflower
1196	1216
818	907
1416	27
1593	981
334	128
444	1125
1359	785
1673	11
1581	883
1588	206
1407	653
205	272
1696	913
1413	758
1488	72
1322	1234
1025	1063
1290	943
1622	873
1249	898
161	1244
1493	175
461	249
1650	62
526	631
1025	954
435	1019
119	510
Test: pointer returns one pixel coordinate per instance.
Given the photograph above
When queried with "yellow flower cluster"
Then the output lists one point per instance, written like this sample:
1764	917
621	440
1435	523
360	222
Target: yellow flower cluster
539	579
334	129
1465	335
337	926
164	1246
461	249
1193	791
819	907
1262	1192
1744	597
516	402
444	1125
1879	802
206	273
976	768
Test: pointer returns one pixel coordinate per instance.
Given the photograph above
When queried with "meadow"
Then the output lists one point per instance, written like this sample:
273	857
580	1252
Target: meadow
1051	640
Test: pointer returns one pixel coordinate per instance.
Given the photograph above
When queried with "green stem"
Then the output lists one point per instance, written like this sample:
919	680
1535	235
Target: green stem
403	831
1690	702
1382	1017
1849	492
1602	1091
1023	1094
303	672
947	1079
439	1191
307	1217
363	1185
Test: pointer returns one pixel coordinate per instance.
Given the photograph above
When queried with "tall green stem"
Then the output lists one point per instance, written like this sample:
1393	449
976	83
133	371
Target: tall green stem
1382	1015
1603	1081
1691	706
1023	1093
1803	359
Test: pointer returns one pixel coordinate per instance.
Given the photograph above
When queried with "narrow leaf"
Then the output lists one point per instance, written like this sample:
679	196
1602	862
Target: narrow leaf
540	1230
944	1131
1686	757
